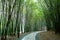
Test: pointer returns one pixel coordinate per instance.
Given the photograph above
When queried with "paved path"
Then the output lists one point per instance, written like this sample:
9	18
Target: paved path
31	36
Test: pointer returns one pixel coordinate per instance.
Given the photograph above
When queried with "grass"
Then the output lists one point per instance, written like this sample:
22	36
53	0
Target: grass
50	35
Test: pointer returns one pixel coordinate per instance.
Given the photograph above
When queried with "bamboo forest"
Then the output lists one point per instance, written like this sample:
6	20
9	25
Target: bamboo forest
29	19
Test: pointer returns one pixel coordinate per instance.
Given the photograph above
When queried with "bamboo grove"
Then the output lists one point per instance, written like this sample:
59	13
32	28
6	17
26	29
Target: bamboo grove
20	16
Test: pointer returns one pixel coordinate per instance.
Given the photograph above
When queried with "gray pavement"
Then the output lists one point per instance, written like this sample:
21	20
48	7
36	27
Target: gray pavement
32	36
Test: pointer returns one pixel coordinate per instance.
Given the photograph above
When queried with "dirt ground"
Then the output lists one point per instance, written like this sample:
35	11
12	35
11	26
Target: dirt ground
50	35
14	37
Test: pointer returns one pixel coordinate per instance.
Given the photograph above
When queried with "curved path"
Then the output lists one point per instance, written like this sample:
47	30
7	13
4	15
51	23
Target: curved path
31	36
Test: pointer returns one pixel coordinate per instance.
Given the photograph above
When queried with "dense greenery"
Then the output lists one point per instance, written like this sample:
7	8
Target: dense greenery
19	16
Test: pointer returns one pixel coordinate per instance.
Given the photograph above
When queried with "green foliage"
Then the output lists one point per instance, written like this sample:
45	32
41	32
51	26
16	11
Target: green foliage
13	15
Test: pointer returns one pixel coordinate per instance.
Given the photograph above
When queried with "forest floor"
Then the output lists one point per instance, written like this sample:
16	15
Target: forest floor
14	37
10	38
50	35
